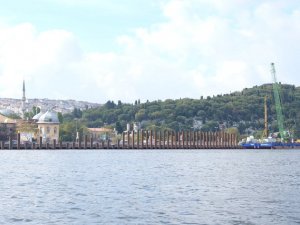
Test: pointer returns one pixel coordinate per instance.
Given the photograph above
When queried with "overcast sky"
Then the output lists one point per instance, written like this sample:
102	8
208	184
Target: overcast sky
125	50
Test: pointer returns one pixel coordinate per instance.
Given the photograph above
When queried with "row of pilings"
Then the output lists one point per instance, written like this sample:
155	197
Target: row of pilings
141	139
149	139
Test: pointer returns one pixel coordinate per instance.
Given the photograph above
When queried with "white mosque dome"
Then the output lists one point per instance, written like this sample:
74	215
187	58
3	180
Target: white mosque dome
49	117
37	116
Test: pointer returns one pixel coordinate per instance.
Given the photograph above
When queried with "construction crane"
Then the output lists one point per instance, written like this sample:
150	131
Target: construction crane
278	107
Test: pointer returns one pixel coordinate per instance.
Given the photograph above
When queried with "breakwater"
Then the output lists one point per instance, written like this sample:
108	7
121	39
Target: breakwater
143	139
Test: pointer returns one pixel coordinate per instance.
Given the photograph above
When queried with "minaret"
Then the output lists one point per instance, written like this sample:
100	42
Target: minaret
23	101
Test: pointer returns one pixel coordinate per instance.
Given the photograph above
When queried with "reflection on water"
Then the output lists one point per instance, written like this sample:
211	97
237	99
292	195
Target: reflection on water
150	187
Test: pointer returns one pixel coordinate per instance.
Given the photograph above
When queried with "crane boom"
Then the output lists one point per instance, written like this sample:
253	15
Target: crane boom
277	102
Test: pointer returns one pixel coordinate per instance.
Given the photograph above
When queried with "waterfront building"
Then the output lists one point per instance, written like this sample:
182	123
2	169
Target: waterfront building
7	127
48	126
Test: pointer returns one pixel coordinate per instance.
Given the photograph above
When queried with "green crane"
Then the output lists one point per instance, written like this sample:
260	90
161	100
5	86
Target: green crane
278	107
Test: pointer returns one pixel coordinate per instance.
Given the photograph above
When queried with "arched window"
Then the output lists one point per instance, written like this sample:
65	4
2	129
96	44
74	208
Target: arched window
48	130
55	130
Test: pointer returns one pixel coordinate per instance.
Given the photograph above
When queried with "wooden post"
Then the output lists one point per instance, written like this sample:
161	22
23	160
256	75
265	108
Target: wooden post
196	139
193	139
172	139
205	140
164	139
168	139
211	140
79	142
123	140
221	139
18	140
190	139
142	134
200	139
151	139
41	143
160	137
85	141
208	140
132	139
91	142
138	139
147	138
128	139
175	139
155	138
54	143
210	137
118	144
183	140
235	140
227	140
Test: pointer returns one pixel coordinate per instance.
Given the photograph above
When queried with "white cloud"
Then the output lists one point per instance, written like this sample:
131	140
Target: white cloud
203	47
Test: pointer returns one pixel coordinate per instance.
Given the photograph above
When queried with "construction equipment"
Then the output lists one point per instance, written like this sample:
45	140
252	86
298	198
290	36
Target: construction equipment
278	106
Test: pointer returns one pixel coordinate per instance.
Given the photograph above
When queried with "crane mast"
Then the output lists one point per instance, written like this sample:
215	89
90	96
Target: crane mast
277	102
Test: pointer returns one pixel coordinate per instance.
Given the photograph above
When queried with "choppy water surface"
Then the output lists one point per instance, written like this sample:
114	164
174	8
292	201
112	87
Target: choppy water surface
150	187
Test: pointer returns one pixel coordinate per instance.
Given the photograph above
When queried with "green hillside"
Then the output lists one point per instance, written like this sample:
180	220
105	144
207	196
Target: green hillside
243	110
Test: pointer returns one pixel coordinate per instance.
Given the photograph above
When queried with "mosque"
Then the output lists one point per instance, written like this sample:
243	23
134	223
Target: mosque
45	124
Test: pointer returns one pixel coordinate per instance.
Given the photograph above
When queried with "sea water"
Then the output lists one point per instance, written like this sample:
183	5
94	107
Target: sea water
150	187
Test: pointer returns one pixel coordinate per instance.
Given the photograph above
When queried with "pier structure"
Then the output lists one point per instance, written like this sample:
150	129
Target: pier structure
140	139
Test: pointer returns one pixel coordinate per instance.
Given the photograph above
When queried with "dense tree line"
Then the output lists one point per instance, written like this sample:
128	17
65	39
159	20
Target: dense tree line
243	110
